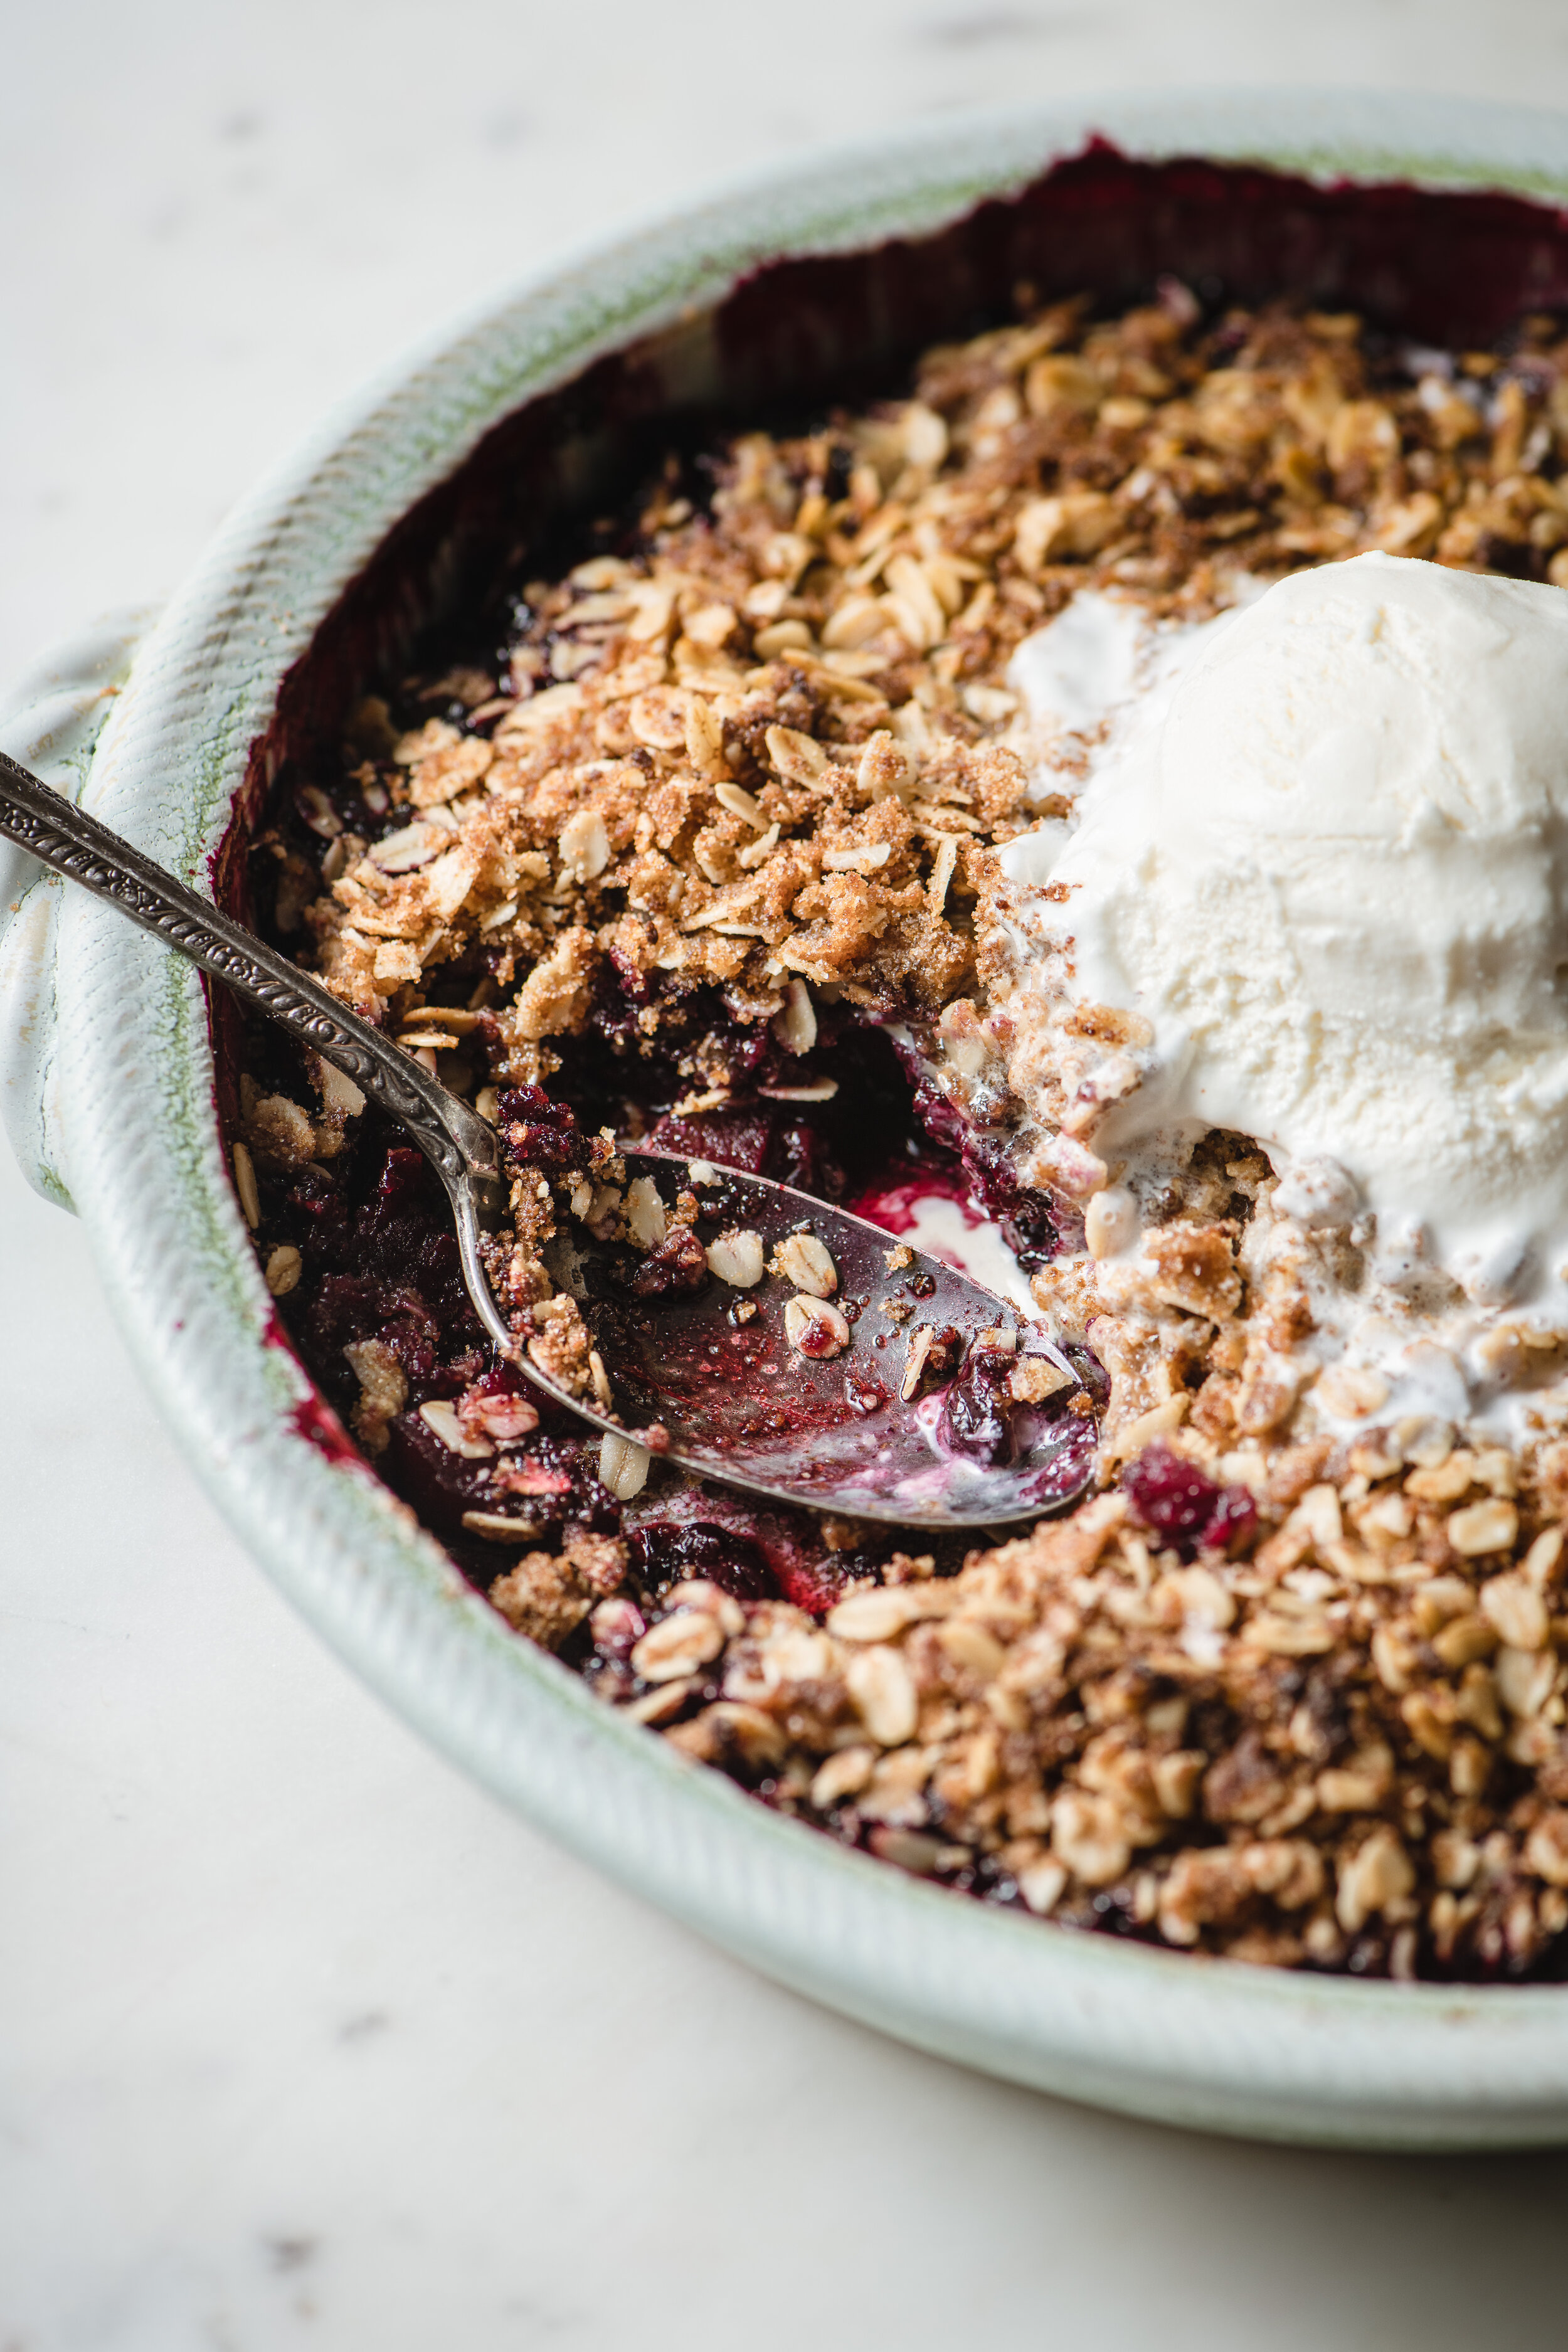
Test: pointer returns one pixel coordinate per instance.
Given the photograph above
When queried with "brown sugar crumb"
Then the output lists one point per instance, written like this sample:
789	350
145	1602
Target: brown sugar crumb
547	1595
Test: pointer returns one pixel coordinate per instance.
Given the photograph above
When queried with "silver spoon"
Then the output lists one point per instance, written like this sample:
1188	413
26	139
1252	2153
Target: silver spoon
905	1392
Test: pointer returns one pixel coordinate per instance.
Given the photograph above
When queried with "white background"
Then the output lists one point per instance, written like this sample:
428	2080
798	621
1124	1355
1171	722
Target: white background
302	2042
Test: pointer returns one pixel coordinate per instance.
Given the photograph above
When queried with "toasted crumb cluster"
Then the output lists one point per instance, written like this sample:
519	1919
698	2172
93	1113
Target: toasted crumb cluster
1337	1741
1280	1693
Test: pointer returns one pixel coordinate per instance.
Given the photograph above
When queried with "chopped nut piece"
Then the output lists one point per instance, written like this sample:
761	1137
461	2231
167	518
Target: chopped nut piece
281	1127
795	1026
1468	1637
1318	1514
1546	1848
623	1466
246	1186
1087	1836
740	803
801	1259
284	1267
413	846
383	1390
1042	1886
1445	1481
1110	1222
441	1418
1176	1779
645	1221
1359	1787
1540	1563
677	1644
497	1527
798	758
877	1616
1469	1767
971	1647
814	1327
1379	1873
1512	1604
1524	1679
1426	1444
1352	1390
663	1703
879	1681
736	1257
923	1340
699	1593
1483	1528
339	1092
844	1775
1078	523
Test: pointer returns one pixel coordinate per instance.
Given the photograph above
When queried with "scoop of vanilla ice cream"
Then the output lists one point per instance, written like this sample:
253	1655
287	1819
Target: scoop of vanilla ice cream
1328	871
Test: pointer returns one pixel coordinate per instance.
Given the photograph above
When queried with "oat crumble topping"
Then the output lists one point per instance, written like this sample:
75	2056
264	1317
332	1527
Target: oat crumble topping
1274	1693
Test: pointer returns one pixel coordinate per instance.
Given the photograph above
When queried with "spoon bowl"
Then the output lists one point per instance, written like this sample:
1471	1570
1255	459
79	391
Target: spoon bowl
894	1388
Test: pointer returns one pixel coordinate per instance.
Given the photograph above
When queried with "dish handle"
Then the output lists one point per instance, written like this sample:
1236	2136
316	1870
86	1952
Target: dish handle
50	718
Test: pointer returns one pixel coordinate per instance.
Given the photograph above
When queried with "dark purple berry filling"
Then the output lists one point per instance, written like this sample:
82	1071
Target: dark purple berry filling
978	1416
674	1267
1175	1501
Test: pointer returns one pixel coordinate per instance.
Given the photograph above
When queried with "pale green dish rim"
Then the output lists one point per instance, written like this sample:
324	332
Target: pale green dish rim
130	1135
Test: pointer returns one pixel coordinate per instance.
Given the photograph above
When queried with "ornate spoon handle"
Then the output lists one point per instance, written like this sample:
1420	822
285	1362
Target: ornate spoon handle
456	1141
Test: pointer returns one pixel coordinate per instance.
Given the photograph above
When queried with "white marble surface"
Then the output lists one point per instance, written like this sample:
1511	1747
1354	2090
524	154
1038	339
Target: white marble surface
302	2042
